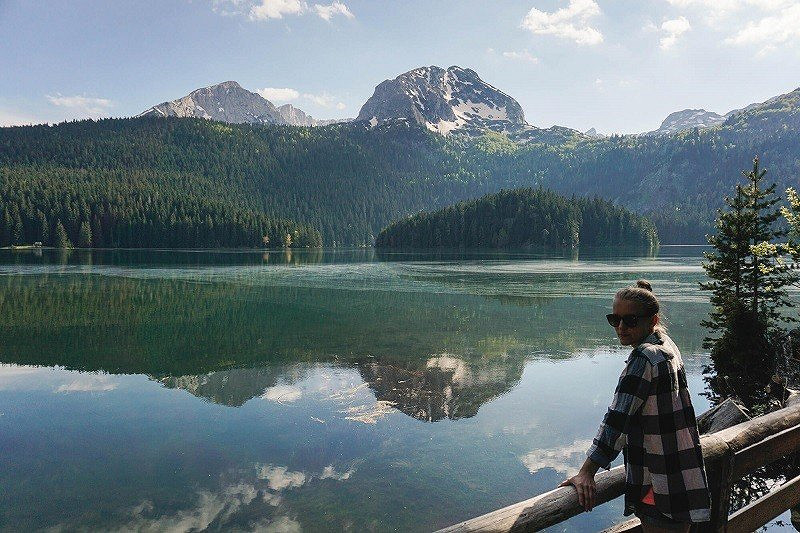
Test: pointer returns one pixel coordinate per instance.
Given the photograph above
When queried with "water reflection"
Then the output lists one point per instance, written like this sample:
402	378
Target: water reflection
170	390
231	387
444	386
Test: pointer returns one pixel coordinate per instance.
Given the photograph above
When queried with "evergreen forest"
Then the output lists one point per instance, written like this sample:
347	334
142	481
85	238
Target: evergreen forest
522	218
180	182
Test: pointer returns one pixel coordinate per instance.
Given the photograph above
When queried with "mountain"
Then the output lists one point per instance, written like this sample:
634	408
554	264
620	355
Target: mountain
179	183
755	105
232	387
443	387
444	101
686	120
293	116
229	102
226	102
777	115
779	109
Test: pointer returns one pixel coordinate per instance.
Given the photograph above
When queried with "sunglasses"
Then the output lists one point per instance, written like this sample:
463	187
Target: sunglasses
629	320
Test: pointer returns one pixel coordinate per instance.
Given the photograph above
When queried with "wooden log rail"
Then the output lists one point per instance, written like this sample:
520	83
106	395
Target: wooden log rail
729	454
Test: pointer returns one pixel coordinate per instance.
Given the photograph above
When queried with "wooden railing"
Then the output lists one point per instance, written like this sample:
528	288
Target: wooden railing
729	455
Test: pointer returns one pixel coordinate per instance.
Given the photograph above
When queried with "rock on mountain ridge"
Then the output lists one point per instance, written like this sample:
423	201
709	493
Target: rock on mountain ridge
455	99
687	119
294	116
781	108
230	102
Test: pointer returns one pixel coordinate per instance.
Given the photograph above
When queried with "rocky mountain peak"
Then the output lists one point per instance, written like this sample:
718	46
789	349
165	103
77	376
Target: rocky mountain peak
686	120
229	102
444	100
226	102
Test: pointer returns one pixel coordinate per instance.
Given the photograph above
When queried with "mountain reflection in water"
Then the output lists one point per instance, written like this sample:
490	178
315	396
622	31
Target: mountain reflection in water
306	391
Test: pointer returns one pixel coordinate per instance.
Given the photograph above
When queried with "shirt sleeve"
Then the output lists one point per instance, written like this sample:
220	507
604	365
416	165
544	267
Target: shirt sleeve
629	396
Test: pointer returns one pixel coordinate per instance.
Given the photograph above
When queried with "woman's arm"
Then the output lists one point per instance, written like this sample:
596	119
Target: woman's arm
583	482
629	396
631	393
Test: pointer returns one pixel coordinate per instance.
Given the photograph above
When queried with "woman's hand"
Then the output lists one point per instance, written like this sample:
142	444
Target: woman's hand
583	482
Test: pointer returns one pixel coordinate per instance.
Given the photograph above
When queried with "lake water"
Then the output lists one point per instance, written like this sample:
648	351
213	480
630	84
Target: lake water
313	391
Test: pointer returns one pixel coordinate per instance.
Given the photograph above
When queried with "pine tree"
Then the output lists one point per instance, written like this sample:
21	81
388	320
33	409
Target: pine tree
748	285
43	228
17	231
766	274
6	227
726	263
60	237
85	235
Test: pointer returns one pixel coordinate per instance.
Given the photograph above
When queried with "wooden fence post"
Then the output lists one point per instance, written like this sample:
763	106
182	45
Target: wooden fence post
721	492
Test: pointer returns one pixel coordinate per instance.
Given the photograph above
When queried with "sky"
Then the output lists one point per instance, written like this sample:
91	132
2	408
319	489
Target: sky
620	66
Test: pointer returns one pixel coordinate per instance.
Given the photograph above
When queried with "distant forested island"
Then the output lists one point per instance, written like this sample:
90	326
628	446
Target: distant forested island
521	218
186	182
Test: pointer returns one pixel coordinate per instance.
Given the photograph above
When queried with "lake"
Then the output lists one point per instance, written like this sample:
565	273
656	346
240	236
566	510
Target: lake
310	391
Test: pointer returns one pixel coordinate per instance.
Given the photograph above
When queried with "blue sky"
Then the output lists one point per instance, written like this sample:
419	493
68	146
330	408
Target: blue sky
616	65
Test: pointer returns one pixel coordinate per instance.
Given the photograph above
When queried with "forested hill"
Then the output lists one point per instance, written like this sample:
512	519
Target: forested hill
520	218
160	181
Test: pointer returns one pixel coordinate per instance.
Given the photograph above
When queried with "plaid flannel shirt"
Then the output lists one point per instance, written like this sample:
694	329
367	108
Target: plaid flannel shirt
653	420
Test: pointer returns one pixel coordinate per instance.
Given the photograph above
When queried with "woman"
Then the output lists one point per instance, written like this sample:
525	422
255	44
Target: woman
652	421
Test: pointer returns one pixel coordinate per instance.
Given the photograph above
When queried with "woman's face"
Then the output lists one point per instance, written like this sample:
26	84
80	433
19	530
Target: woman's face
632	336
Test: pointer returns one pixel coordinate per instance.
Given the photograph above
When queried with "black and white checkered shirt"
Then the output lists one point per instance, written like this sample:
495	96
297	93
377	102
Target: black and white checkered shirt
653	420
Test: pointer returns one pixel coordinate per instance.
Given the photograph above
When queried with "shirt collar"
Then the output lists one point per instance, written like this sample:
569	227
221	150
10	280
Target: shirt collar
653	338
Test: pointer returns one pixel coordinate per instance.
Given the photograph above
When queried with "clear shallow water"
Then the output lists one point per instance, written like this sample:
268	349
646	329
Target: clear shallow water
310	391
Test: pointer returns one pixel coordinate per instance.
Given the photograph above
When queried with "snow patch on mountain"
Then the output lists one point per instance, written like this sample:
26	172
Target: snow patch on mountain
686	120
444	101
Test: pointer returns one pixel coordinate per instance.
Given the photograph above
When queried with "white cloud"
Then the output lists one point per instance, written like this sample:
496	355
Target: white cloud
226	506
276	9
279	477
93	107
274	94
327	12
564	459
12	118
782	27
11	370
769	22
330	473
323	100
282	394
220	508
650	27
283	95
89	383
673	29
524	55
571	22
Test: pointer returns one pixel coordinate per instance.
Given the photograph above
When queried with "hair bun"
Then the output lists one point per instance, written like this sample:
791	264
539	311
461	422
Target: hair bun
644	284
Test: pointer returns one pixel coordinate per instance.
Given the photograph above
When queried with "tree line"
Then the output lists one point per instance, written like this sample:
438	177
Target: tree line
519	218
68	207
349	181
